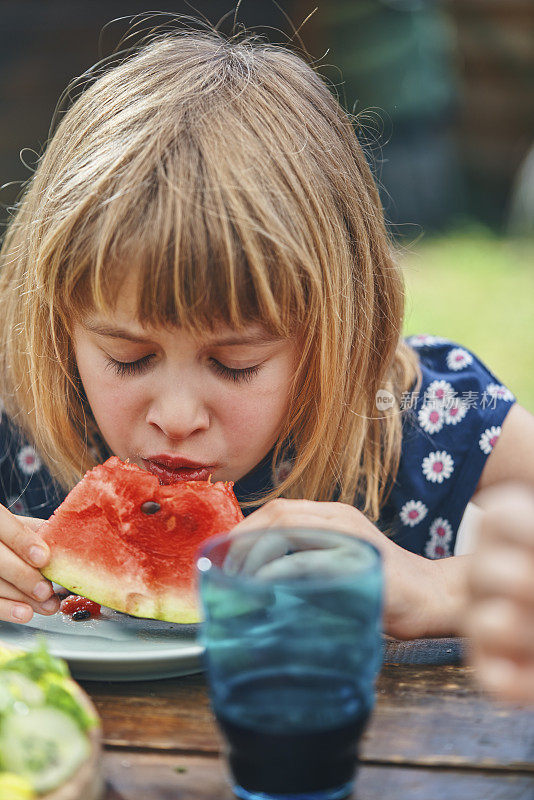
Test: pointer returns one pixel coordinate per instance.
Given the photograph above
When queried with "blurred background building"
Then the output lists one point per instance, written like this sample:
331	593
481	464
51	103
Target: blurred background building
442	89
455	80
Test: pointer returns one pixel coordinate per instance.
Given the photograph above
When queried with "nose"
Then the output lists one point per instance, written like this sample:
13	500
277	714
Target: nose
178	412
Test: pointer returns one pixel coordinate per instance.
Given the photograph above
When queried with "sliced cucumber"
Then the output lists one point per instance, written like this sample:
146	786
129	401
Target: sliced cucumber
15	687
44	745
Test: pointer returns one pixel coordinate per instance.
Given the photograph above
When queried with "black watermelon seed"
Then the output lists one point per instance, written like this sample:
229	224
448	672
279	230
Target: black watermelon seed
79	615
150	507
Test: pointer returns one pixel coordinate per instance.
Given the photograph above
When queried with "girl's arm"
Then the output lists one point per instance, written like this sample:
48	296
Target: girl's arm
422	596
512	459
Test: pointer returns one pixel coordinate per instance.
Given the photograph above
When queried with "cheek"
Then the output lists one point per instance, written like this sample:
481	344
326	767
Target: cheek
256	414
112	404
110	399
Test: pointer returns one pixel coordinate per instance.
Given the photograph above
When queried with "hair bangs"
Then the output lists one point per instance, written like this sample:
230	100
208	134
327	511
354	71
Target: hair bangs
200	246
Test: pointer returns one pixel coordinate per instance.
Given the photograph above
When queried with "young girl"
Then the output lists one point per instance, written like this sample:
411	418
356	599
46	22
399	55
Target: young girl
198	279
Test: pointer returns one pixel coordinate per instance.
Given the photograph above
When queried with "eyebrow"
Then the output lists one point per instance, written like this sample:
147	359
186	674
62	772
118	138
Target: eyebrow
231	339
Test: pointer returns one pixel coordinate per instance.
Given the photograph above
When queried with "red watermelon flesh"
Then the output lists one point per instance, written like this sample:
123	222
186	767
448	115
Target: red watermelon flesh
104	547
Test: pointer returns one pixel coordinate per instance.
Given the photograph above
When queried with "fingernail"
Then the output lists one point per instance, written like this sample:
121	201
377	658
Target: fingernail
50	605
38	555
42	591
22	613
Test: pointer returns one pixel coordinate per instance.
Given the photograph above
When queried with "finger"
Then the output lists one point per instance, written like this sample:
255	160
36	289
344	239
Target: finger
331	563
275	555
281	508
247	553
509	516
309	513
512	493
15	612
272	511
31	522
499	627
505	571
506	679
22	540
509	525
10	592
276	513
20	574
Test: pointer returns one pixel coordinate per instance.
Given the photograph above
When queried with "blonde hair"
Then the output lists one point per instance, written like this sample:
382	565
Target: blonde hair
228	175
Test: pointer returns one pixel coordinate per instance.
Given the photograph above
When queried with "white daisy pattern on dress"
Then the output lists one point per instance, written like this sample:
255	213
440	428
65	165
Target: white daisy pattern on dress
431	417
28	460
413	512
438	466
500	392
425	339
458	358
281	472
455	412
440	393
438	545
488	440
441	529
436	549
17	506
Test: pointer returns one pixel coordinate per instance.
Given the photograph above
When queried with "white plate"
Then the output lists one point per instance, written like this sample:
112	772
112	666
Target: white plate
114	646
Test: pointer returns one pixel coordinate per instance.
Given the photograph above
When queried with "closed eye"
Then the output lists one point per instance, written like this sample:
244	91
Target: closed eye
236	375
130	367
123	368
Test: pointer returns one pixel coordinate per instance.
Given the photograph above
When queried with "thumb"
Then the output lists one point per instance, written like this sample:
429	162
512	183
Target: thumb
31	522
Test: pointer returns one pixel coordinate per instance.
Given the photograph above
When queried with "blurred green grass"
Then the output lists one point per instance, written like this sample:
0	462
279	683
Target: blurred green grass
477	288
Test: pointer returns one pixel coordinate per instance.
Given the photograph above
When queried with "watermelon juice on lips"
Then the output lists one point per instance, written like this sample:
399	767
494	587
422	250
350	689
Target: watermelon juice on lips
171	469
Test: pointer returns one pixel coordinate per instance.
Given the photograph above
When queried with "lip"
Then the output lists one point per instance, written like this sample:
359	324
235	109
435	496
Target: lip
176	462
173	469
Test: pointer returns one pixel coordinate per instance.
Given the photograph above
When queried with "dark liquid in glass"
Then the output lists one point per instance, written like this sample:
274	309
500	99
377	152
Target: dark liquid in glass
286	736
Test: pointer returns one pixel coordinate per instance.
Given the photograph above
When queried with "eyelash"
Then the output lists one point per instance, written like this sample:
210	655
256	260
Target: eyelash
124	368
235	375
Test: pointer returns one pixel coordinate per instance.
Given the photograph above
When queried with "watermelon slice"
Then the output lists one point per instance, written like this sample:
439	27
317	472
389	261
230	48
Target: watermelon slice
126	542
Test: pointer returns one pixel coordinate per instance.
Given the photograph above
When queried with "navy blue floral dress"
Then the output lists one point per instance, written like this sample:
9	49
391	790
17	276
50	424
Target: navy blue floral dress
450	427
449	430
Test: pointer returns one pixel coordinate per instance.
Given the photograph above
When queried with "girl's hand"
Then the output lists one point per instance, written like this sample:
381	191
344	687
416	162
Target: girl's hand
409	579
23	589
500	612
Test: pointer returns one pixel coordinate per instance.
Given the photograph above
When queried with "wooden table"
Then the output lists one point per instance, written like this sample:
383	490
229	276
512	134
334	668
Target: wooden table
433	736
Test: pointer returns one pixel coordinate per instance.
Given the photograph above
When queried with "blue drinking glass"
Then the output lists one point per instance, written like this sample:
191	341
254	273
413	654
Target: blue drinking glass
293	645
